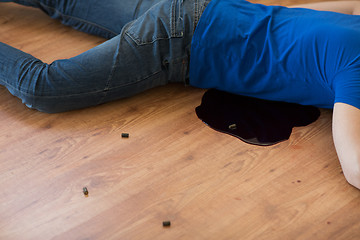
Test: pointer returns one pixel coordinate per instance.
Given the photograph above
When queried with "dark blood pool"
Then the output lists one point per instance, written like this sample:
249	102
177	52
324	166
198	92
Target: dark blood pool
254	121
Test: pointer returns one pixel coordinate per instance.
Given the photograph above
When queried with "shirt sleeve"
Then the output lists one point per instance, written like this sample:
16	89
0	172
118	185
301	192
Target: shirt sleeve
347	86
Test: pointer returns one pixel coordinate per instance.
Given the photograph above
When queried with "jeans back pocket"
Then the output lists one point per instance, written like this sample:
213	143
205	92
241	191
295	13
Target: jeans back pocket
162	21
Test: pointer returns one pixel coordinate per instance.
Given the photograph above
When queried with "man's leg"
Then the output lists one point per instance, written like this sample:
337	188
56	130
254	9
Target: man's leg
150	51
102	18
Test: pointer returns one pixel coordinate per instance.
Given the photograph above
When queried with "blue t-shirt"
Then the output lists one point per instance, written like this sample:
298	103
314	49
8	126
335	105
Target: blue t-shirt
277	53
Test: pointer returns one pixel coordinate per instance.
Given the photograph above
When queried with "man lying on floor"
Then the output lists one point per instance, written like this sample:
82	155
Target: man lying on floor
295	55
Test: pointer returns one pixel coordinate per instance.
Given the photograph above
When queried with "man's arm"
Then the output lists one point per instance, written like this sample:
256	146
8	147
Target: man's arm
346	118
346	134
347	7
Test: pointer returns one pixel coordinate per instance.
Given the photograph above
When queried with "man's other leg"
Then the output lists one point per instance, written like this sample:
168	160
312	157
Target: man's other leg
102	18
150	51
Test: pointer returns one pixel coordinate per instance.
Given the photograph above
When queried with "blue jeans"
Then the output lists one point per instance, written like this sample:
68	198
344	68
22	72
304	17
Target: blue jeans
148	46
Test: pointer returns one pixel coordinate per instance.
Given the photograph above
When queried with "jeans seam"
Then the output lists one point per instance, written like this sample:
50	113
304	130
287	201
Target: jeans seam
134	82
196	17
22	92
108	81
91	24
174	18
139	43
77	94
172	14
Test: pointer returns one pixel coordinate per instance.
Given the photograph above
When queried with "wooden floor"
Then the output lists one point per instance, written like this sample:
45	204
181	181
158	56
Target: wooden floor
172	167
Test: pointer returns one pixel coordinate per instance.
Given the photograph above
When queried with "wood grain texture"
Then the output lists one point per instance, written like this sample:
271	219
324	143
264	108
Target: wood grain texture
172	167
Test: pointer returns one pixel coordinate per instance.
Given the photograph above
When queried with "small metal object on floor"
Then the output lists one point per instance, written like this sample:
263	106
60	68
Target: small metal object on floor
125	135
85	191
166	224
232	126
